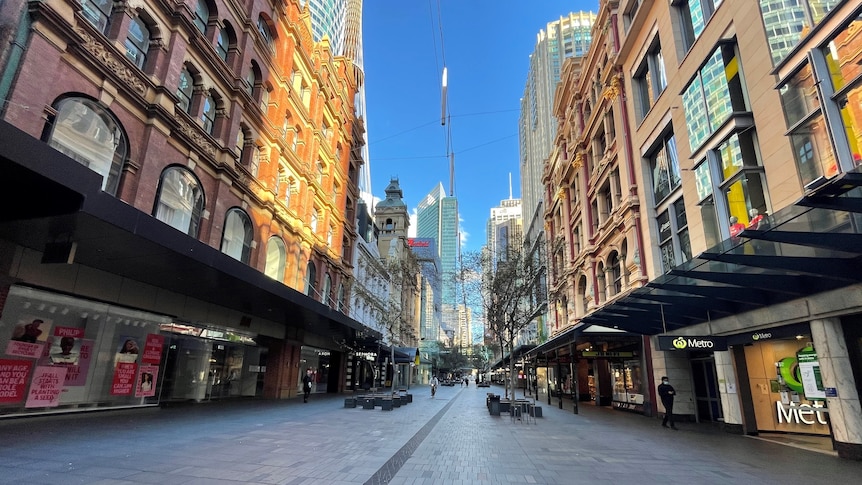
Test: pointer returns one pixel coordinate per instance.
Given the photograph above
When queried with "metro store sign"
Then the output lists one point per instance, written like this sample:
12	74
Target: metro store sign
686	342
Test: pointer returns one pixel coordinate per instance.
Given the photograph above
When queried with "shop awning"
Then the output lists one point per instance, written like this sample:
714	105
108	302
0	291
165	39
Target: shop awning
406	355
46	197
810	247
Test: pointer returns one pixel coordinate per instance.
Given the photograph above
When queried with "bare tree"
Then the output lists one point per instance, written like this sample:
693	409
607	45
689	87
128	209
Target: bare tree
502	284
398	315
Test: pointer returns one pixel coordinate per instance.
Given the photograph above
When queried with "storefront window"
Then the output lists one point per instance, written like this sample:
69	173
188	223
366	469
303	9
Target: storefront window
845	72
59	351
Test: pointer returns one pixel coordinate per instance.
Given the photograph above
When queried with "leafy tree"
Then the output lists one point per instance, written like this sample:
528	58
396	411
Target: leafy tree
501	284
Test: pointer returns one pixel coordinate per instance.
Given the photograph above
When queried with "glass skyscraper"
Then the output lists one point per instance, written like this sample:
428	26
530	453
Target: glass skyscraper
437	218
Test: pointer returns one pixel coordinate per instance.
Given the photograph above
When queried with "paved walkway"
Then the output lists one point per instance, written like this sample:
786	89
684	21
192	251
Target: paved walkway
450	439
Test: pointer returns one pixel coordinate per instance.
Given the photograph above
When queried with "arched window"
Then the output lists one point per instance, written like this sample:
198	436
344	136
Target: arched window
209	113
311	280
97	12
223	43
264	30
254	166
240	142
341	302
264	98
327	290
275	258
237	236
583	303
180	200
315	216
601	284
87	132
250	80
616	274
138	42
185	90
202	16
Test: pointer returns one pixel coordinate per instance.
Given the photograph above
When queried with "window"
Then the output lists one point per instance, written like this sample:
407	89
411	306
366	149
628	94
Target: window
320	170
222	43
649	80
209	113
664	167
138	42
237	237
87	132
315	215
616	274
329	234
674	243
311	280
694	14
327	290
97	12
202	16
276	257
342	304
265	32
264	98
295	142
185	90
713	95
180	200
254	166
787	22
250	80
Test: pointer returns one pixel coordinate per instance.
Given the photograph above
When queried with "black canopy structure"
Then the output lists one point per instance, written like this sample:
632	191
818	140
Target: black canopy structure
48	201
810	247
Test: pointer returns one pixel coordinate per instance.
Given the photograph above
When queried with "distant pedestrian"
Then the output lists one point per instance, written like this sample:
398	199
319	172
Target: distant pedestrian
666	392
434	383
307	379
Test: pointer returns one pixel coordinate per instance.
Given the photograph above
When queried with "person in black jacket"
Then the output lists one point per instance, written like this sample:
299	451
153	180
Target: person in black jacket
666	392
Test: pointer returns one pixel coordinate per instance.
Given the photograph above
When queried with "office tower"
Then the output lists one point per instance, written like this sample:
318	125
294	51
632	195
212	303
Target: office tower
569	36
341	22
437	218
508	210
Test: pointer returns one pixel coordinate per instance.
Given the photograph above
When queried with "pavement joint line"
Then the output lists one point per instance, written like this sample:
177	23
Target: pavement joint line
390	468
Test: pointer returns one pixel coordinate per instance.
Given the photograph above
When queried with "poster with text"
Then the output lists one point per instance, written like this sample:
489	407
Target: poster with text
153	349
147	381
77	371
124	379
128	349
28	337
46	386
13	379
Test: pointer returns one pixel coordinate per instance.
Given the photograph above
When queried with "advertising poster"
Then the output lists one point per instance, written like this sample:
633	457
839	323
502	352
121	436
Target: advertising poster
128	349
13	379
153	349
46	387
809	374
28	337
147	381
124	379
74	354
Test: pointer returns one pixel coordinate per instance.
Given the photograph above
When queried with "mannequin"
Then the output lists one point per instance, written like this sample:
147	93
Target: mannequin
755	219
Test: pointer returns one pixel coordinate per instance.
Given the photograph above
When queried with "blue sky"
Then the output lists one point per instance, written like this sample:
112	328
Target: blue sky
486	45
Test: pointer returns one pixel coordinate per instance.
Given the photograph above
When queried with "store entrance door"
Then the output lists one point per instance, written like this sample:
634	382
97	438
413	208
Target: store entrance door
707	398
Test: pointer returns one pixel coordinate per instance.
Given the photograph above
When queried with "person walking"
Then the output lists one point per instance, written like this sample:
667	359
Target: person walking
434	383
666	392
307	379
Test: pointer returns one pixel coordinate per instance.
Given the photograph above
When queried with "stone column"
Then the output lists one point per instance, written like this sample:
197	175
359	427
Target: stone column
845	413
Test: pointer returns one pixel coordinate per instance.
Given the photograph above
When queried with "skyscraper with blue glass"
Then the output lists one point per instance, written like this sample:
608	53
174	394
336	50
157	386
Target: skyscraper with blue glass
437	218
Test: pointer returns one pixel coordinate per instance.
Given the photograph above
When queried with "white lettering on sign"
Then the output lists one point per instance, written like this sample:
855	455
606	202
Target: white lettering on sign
801	414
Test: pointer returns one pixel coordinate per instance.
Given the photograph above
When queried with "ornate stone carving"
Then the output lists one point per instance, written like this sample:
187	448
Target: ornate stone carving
194	134
613	91
110	61
578	162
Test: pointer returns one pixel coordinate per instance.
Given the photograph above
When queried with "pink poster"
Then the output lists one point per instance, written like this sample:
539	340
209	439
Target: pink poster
46	386
74	354
28	337
124	379
147	381
153	349
13	379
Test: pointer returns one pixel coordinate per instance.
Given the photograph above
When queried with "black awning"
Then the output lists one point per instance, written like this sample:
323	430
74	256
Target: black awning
114	237
810	247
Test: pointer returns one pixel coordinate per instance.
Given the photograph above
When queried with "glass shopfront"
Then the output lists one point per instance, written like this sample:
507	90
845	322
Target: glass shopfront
784	378
59	352
318	360
627	385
